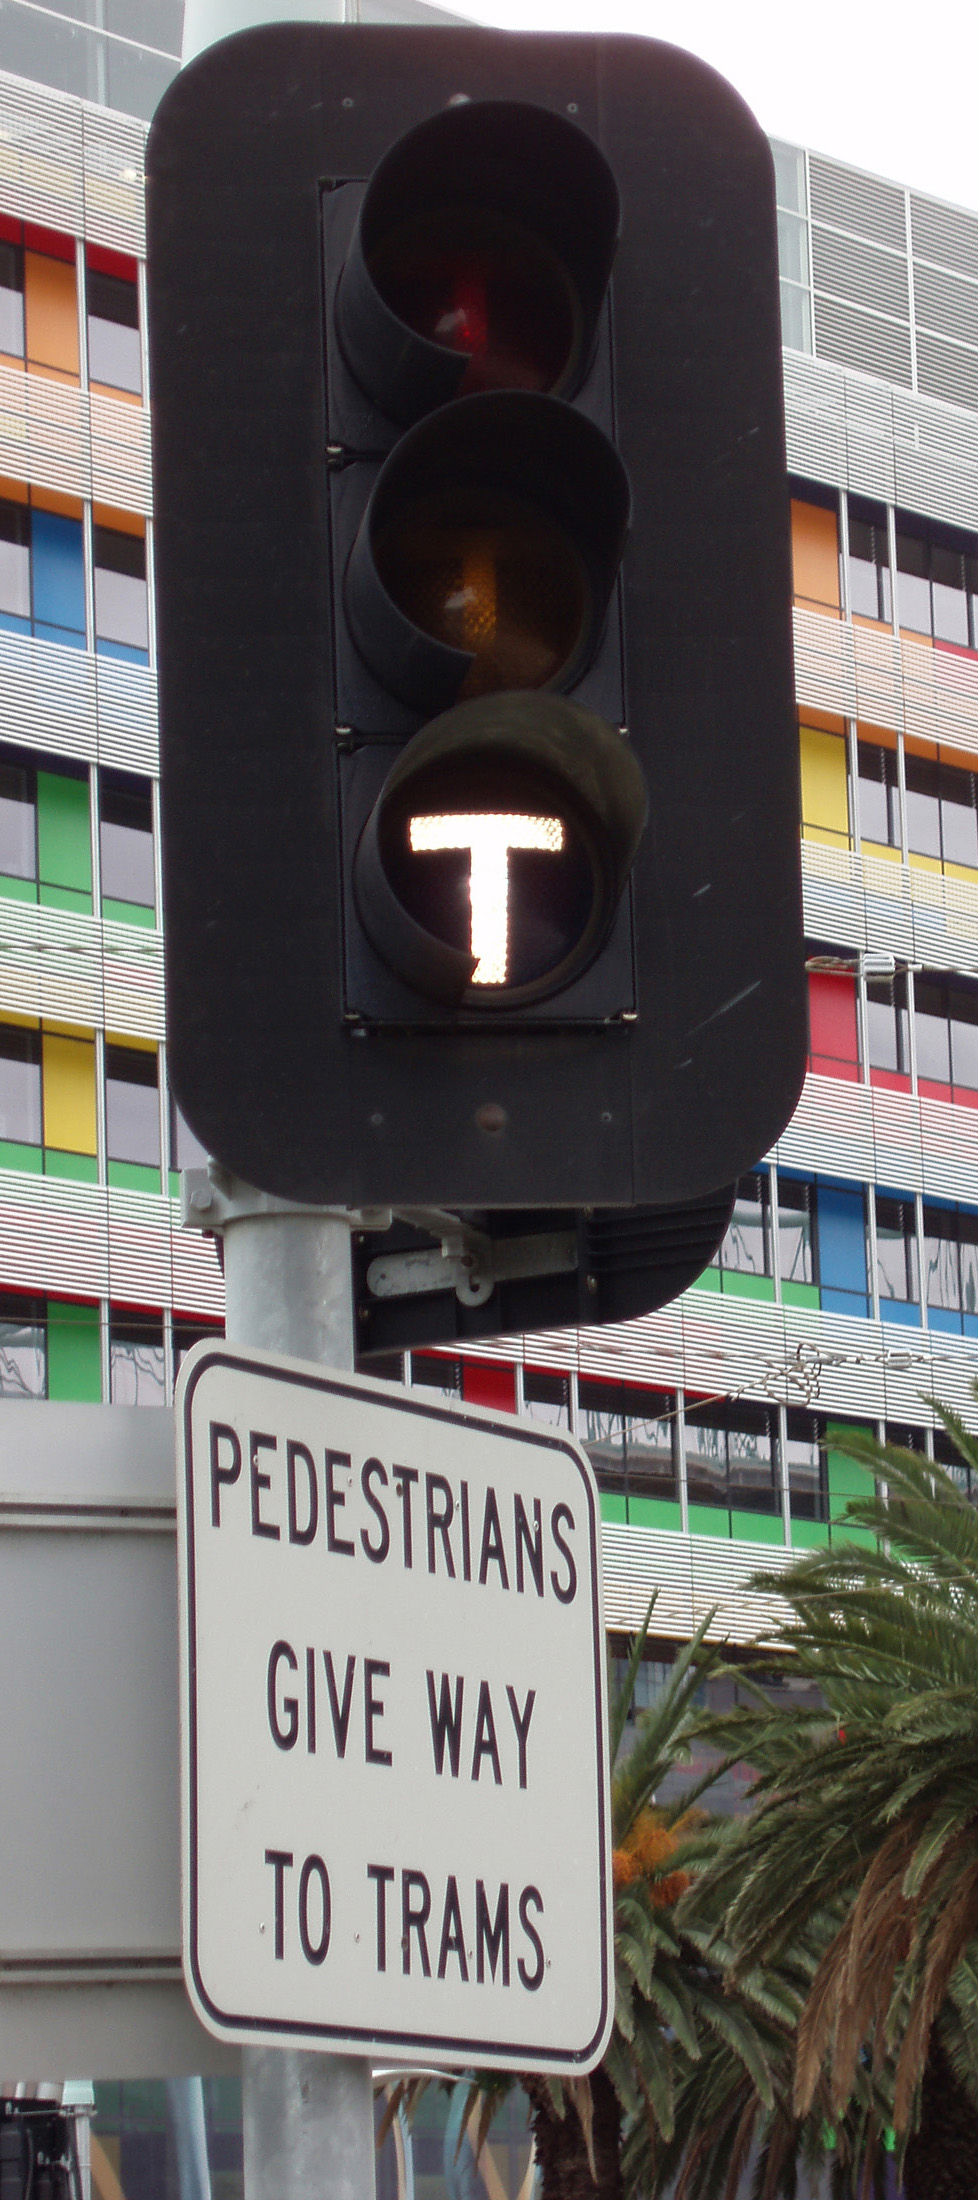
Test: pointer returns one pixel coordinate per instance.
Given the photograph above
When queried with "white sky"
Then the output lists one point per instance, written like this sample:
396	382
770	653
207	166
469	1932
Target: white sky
891	89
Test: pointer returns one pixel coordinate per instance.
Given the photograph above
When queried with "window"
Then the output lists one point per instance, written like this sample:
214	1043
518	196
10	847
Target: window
946	1030
186	1151
187	1332
132	1109
11	298
113	327
796	1230
879	795
18	820
121	613
806	1465
951	1259
938	585
23	1347
627	1433
730	1456
888	1024
20	1086
942	811
896	1249
126	838
42	585
746	1249
546	1397
441	1375
923	805
870	594
948	1456
136	1358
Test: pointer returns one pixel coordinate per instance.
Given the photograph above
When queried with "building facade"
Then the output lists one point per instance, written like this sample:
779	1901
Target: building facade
846	1291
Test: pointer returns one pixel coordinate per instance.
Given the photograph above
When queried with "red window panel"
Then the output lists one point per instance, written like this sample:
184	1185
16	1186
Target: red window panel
489	1383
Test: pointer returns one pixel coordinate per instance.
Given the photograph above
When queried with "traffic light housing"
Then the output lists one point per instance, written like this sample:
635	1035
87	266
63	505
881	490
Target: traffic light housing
477	726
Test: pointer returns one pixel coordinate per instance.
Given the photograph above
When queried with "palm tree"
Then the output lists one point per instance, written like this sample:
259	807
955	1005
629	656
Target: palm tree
868	1808
670	1998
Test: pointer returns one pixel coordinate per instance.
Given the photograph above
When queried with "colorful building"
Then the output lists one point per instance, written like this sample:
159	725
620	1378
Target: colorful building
846	1291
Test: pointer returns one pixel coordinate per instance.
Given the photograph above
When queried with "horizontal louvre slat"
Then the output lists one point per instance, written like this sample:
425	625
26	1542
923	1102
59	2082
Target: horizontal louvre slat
89	1243
944	234
863	274
849	433
70	703
71	165
691	1575
862	204
856	338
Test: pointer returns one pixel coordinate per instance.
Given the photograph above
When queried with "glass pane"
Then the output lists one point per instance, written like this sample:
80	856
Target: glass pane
795	1250
746	1248
186	1334
23	1359
789	171
113	354
932	1031
649	1450
913	567
941	1258
441	1375
923	806
948	595
968	1260
126	838
120	588
186	1151
15	560
137	1367
20	1086
546	1398
706	1461
964	1037
869	568
896	1249
132	1112
602	1429
11	300
807	1481
750	1454
886	1022
959	816
18	839
879	807
793	247
796	318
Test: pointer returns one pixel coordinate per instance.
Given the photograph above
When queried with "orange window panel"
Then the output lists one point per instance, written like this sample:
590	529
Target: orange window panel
51	315
815	547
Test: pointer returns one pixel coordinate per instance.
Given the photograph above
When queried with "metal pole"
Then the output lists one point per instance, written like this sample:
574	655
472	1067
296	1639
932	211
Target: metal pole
308	2119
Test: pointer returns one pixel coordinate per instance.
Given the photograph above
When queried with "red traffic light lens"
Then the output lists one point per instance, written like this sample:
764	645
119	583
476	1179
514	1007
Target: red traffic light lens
481	285
490	574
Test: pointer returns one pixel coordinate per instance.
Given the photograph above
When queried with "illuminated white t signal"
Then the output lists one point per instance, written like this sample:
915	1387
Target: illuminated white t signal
489	841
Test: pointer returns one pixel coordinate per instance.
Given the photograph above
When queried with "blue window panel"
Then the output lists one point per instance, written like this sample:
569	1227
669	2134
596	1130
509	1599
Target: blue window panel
941	1317
970	1324
124	650
57	574
841	1239
900	1310
11	625
844	1302
63	634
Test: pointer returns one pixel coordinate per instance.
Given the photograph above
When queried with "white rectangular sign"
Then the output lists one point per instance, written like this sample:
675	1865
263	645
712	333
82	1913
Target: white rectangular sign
395	1812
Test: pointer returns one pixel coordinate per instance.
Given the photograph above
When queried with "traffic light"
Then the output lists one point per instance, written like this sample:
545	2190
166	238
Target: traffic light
478	758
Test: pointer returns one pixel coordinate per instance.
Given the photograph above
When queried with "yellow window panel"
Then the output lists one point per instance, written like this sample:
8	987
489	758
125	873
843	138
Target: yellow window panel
51	315
824	790
961	870
884	855
924	863
124	1039
69	1093
824	838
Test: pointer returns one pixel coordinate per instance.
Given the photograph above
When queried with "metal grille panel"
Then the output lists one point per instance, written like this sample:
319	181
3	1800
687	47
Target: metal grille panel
947	370
863	274
945	234
860	203
856	338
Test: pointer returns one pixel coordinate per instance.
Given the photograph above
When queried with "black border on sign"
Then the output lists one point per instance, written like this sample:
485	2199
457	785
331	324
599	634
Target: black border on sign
522	2054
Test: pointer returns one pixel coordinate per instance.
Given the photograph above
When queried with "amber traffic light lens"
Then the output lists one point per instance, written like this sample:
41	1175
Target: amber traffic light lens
480	284
488	574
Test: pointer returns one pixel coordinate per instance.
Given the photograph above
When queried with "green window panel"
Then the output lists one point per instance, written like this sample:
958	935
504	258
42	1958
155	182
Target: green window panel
751	1527
708	1281
133	1176
801	1294
614	1507
652	1512
809	1535
81	1166
66	897
64	834
709	1520
13	1155
18	889
128	912
846	1479
74	1353
738	1284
